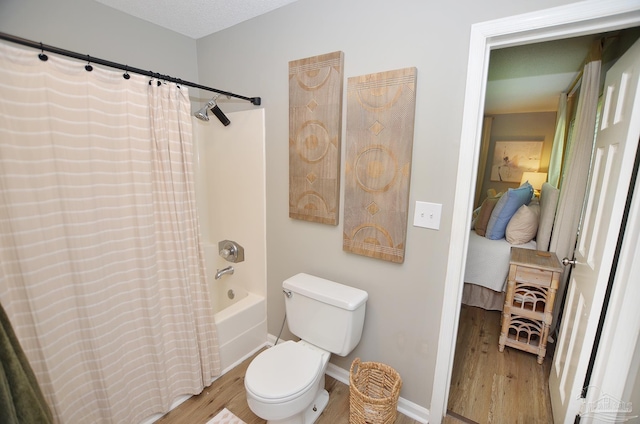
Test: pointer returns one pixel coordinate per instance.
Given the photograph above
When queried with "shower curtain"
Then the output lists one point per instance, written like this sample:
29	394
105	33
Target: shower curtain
101	268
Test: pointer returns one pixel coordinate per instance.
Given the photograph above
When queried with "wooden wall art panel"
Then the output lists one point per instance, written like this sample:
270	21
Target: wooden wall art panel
315	131
379	145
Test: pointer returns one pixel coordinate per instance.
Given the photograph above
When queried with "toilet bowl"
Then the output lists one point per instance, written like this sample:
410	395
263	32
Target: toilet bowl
285	384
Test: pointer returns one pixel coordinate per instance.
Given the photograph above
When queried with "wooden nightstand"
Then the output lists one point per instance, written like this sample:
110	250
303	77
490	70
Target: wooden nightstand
528	307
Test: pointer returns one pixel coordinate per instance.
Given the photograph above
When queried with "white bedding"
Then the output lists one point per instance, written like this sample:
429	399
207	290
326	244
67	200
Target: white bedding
488	261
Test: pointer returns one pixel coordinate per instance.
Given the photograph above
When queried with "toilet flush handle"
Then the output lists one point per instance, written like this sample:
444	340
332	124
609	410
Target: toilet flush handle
287	293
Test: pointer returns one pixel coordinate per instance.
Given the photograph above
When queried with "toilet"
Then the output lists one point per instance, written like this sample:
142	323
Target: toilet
285	383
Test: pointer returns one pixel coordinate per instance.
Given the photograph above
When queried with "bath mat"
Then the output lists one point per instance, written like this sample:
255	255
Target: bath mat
225	417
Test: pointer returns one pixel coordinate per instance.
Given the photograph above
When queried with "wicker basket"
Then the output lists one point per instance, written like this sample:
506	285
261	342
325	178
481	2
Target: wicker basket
373	393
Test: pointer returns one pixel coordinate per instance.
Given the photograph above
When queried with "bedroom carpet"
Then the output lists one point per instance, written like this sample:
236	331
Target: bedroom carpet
492	387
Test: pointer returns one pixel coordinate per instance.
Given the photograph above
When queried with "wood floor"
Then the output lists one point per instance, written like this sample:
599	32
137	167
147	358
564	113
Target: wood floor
488	386
228	392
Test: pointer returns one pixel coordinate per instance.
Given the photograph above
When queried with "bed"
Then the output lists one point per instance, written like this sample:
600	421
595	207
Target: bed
488	254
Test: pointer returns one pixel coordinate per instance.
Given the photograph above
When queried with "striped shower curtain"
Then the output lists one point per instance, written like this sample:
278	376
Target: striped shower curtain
101	268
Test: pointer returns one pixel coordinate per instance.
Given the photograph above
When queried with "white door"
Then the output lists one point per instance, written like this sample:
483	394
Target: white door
612	165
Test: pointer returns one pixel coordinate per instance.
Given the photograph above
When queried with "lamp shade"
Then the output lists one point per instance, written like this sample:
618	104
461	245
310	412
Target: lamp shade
536	179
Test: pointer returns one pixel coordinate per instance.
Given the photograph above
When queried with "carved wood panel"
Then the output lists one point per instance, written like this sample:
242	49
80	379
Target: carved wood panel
315	130
379	145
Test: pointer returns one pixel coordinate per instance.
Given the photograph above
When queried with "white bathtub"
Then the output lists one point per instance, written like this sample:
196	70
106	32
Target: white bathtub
240	315
242	330
225	292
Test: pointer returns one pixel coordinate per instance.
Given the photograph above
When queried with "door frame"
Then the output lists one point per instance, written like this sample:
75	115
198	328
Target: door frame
576	19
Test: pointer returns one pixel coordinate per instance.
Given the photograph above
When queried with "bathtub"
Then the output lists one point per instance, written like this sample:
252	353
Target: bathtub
240	315
242	328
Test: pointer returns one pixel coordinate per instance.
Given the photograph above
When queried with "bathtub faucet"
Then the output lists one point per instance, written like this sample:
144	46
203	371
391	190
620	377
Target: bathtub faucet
223	271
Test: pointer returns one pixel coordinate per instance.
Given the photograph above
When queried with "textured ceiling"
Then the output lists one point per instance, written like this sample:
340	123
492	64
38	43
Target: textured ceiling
195	18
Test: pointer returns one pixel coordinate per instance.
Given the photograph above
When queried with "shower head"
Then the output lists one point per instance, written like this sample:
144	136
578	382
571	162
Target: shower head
203	115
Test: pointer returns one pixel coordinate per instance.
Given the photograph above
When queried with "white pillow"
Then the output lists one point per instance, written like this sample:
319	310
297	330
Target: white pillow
523	226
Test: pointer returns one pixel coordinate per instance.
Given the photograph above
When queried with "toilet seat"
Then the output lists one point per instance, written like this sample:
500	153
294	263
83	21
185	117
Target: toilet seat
283	372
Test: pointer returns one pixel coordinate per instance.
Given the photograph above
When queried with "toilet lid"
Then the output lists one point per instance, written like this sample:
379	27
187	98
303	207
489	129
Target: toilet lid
282	371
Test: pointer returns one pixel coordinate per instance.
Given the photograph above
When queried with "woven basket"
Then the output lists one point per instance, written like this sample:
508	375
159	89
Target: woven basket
373	393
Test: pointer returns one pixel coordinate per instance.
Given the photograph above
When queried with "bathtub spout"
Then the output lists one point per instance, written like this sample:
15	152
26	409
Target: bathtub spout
223	271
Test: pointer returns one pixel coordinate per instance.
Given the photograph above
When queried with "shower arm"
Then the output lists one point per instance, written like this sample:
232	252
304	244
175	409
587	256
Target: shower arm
256	101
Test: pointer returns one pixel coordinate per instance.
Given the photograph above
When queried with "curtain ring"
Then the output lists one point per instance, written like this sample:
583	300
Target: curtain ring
126	73
43	57
88	66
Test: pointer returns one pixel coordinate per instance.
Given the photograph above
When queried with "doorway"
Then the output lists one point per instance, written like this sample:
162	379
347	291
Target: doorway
577	19
482	379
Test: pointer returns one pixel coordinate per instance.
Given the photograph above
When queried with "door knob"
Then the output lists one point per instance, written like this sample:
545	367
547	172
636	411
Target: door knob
567	261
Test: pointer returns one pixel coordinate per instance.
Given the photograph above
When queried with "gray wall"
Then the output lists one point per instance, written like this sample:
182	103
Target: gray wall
403	313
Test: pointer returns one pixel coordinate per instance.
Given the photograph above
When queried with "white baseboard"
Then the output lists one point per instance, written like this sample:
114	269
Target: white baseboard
406	407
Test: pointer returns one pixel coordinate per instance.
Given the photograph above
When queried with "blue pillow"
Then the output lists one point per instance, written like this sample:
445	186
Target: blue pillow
508	205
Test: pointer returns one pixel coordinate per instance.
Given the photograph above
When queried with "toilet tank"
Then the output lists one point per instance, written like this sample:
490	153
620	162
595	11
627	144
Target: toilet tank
324	313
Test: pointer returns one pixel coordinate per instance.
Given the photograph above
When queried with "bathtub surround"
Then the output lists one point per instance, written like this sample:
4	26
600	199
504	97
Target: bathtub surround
231	202
102	273
231	196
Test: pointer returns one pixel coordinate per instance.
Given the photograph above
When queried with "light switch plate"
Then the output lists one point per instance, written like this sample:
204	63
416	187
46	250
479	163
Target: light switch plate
427	215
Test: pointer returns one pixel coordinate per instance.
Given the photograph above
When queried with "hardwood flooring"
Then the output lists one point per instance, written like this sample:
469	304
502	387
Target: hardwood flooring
228	392
488	386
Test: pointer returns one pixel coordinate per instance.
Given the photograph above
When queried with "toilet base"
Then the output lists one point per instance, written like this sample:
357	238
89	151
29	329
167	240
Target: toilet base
310	414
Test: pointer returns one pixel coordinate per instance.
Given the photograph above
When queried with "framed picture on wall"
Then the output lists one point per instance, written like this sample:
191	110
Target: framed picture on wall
512	158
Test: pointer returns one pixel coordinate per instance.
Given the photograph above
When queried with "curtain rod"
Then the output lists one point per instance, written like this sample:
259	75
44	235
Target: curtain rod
43	47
